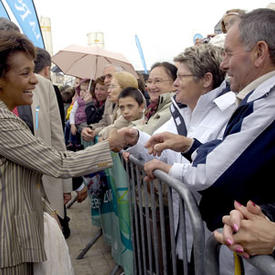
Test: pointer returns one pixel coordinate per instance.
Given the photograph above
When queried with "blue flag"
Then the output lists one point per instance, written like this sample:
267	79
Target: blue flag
3	11
25	14
141	54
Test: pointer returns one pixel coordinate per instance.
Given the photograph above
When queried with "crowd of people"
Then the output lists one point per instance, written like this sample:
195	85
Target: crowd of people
207	120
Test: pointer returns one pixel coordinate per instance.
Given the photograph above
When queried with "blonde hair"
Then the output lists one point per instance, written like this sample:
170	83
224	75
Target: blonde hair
125	80
236	12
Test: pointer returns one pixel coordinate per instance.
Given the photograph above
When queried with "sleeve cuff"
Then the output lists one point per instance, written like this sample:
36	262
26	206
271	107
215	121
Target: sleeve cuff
194	147
80	187
176	171
138	149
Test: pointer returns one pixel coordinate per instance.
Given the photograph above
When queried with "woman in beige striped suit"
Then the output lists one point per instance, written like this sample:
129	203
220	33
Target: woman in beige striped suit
24	158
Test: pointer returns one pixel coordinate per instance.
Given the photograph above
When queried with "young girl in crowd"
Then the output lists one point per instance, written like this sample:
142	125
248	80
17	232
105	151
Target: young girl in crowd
77	114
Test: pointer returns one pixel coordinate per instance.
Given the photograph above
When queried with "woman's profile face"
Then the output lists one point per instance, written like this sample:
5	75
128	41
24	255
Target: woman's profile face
19	81
114	90
159	82
188	88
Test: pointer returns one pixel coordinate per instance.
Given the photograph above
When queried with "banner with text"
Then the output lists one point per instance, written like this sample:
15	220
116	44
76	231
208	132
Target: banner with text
26	16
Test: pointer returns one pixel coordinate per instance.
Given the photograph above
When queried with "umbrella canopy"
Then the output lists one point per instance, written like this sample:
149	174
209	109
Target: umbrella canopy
89	62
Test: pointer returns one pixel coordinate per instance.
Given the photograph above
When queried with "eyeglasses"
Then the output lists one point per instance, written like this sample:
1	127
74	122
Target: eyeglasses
156	81
184	75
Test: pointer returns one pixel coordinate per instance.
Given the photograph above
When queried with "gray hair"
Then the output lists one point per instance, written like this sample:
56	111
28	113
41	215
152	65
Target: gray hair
7	25
202	59
258	25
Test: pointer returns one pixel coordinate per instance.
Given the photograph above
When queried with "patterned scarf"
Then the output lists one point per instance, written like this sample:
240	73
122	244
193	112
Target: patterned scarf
151	110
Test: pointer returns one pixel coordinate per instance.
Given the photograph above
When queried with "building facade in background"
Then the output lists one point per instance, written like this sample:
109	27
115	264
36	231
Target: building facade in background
46	29
96	39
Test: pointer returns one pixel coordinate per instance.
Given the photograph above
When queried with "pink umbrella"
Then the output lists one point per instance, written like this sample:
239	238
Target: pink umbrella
89	62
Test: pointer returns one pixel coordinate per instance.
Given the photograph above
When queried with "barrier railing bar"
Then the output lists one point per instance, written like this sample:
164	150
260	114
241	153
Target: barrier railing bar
133	235
149	240
196	221
264	263
89	245
212	256
172	231
115	269
155	233
140	206
182	226
136	222
162	227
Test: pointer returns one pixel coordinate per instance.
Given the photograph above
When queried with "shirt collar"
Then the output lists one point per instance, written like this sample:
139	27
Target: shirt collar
253	85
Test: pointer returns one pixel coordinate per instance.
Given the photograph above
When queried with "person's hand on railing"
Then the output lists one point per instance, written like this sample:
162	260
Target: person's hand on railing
159	142
152	165
247	231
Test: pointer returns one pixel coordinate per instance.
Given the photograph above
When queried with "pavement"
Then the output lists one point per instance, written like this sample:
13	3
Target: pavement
98	259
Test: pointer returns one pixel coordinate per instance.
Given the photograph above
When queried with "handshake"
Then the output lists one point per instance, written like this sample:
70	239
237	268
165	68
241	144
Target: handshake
125	137
122	138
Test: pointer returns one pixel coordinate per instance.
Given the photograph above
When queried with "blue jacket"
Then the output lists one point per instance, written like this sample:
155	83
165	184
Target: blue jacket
238	166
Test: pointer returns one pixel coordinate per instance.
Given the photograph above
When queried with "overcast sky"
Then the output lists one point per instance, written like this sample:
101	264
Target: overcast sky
164	28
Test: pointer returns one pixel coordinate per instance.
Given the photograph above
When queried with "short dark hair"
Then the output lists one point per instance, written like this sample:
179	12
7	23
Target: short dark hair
12	42
135	93
67	93
42	60
170	69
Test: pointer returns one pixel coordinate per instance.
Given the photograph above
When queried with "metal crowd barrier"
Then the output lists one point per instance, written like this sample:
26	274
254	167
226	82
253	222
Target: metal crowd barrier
153	233
264	263
152	224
